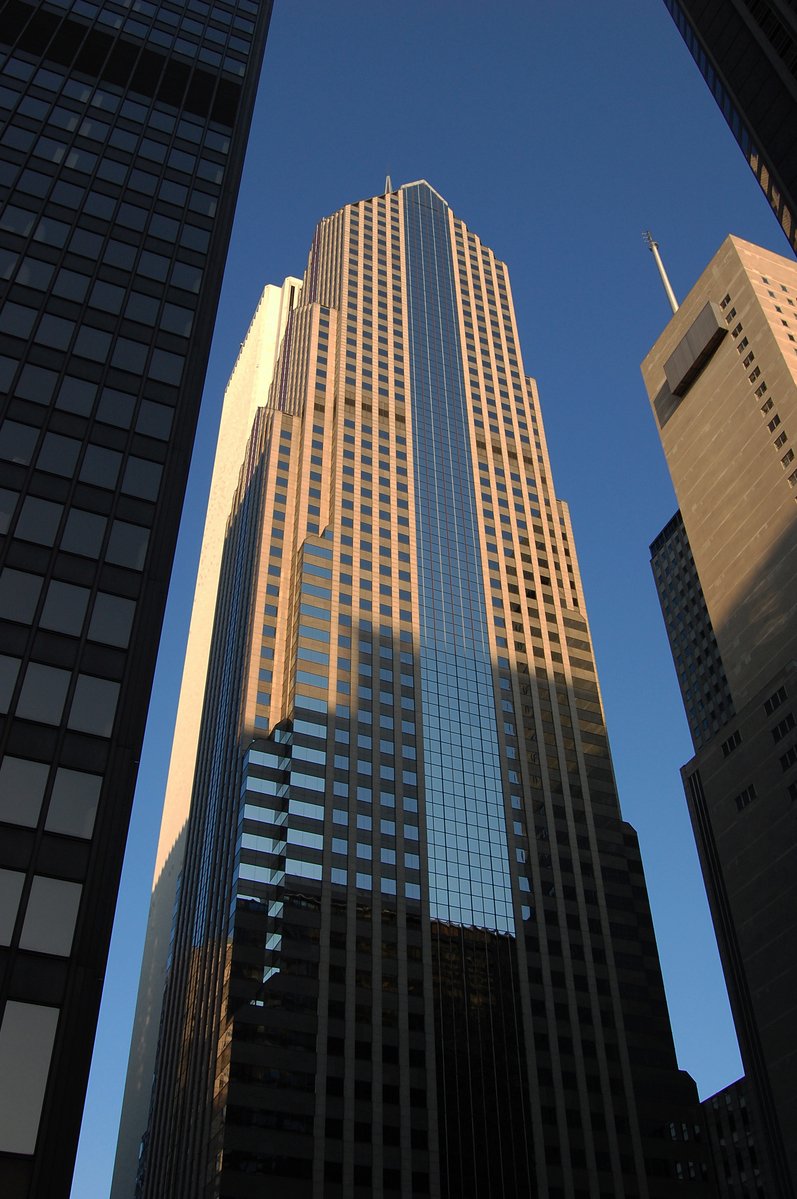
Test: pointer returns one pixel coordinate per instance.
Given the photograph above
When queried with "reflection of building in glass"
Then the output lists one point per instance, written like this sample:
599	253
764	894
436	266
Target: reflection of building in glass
122	143
723	383
413	953
747	53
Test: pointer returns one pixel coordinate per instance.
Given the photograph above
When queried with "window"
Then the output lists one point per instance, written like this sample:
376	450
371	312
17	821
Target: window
93	706
745	797
50	916
65	608
83	533
22	784
775	700
27	1035
38	521
17	442
783	727
730	745
112	619
73	803
19	594
43	693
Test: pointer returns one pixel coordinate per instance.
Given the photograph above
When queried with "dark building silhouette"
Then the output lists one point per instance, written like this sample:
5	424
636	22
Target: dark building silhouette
413	952
734	1136
747	53
122	134
722	379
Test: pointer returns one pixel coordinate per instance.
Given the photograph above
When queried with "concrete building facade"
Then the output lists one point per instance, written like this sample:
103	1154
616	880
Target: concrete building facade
722	380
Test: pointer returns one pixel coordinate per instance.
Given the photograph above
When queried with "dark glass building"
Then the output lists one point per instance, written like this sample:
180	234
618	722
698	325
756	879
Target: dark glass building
747	53
412	952
122	133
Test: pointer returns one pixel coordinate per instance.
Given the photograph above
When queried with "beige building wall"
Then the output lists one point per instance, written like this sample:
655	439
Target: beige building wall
730	445
247	390
722	380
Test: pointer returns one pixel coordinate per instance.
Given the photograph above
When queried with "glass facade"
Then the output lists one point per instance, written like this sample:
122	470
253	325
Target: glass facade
746	51
412	952
122	131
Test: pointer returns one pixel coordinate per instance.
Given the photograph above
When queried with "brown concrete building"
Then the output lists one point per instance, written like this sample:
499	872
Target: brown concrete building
722	380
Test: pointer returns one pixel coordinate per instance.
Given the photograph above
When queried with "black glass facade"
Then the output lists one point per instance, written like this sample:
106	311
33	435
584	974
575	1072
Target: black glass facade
747	53
122	132
412	952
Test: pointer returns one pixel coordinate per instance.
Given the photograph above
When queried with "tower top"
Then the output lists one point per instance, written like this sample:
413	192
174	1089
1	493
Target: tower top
653	246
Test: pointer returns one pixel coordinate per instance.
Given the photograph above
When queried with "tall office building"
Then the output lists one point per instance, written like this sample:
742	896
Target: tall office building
747	53
722	379
412	949
247	390
123	133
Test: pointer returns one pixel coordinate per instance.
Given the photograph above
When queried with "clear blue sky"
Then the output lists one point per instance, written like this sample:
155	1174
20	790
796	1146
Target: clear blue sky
558	130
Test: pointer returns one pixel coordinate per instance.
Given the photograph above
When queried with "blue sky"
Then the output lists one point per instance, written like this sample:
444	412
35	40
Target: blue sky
558	130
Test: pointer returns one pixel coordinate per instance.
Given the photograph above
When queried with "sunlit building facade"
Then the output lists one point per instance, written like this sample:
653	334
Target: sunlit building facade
412	950
722	380
122	133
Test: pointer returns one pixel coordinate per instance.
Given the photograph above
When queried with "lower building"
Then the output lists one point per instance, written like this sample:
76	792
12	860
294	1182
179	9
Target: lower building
732	1129
413	952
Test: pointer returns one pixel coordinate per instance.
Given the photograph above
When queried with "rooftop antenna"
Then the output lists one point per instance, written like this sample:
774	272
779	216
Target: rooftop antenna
388	185
653	246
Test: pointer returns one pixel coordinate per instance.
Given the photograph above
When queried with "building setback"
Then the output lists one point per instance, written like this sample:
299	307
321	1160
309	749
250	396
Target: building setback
123	134
412	951
747	53
722	380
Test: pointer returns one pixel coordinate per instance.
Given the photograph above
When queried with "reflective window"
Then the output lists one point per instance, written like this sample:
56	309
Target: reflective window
19	594
8	503
17	442
93	706
27	1035
50	916
141	478
83	533
112	619
58	454
11	882
100	466
22	784
38	521
65	608
73	803
127	545
9	669
43	693
76	395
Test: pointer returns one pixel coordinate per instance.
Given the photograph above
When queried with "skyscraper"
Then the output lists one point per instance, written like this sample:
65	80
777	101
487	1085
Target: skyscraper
123	133
412	950
722	379
747	53
247	390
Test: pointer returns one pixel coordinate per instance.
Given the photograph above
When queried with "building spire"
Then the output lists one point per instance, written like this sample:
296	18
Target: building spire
653	246
388	185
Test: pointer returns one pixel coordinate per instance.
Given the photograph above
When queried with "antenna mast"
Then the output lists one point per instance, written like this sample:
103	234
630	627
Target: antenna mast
653	246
